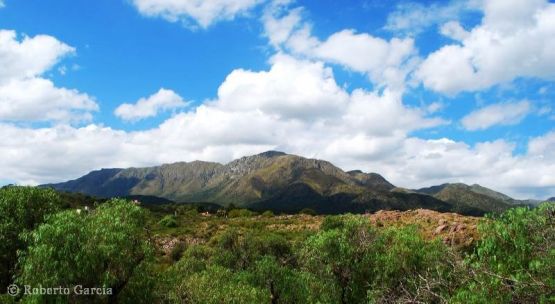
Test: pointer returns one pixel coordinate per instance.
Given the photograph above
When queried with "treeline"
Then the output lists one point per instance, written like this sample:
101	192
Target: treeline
45	243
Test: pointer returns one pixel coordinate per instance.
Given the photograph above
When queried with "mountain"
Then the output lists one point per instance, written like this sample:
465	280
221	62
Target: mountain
551	199
471	198
281	182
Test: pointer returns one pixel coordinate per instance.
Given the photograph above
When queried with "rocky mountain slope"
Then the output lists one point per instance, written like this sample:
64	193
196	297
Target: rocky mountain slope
467	198
282	182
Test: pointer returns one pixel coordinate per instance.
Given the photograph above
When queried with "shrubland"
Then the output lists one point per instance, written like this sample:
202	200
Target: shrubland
182	254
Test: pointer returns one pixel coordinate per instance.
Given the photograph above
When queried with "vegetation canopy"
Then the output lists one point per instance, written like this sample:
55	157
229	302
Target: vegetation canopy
176	254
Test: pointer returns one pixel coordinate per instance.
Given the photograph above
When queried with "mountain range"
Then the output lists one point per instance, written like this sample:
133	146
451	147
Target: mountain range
285	183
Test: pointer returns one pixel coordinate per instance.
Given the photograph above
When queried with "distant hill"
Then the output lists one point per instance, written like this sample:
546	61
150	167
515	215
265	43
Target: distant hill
282	182
469	198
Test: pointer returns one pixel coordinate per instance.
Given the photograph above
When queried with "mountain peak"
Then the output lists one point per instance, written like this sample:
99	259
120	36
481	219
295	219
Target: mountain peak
271	153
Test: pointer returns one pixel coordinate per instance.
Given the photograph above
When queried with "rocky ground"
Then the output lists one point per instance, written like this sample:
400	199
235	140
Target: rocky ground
453	229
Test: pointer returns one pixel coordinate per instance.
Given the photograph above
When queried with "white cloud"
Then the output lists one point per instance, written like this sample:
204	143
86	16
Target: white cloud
386	63
290	89
29	57
496	114
37	99
435	107
515	39
454	30
230	126
204	13
163	100
370	131
25	96
415	17
2	4
278	30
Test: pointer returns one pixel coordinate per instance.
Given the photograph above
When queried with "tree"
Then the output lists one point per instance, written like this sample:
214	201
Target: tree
168	221
286	284
217	285
107	248
343	258
21	210
514	262
407	268
239	250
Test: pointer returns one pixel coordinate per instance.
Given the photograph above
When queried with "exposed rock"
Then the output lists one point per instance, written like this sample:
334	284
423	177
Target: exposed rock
440	229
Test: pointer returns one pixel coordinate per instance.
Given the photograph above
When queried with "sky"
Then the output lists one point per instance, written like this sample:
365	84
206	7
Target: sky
422	92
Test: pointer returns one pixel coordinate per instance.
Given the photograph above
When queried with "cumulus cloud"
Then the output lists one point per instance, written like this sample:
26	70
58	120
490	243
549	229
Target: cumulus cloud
232	125
363	130
24	94
386	62
290	89
414	17
454	30
508	113
513	40
278	30
163	100
204	13
38	100
29	57
492	164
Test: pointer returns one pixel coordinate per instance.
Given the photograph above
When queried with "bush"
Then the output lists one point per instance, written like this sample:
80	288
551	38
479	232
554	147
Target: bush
514	261
234	213
105	248
239	250
362	263
168	221
342	258
219	285
406	268
267	213
177	251
308	211
332	222
21	209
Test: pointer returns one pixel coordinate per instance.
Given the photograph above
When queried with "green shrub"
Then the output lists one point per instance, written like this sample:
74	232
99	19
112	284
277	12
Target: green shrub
239	250
514	261
332	222
104	248
308	211
234	213
267	213
22	209
364	264
407	268
219	285
168	221
177	251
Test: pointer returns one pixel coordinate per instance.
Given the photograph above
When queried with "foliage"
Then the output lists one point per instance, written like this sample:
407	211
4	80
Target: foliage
267	213
408	268
177	251
515	259
272	259
217	285
104	248
168	221
239	250
21	210
393	265
307	211
233	213
332	222
341	257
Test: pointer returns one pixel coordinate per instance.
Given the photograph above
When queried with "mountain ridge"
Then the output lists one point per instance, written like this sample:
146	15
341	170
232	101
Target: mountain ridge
278	181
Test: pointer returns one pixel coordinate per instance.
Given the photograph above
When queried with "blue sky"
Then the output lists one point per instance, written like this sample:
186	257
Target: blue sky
422	92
